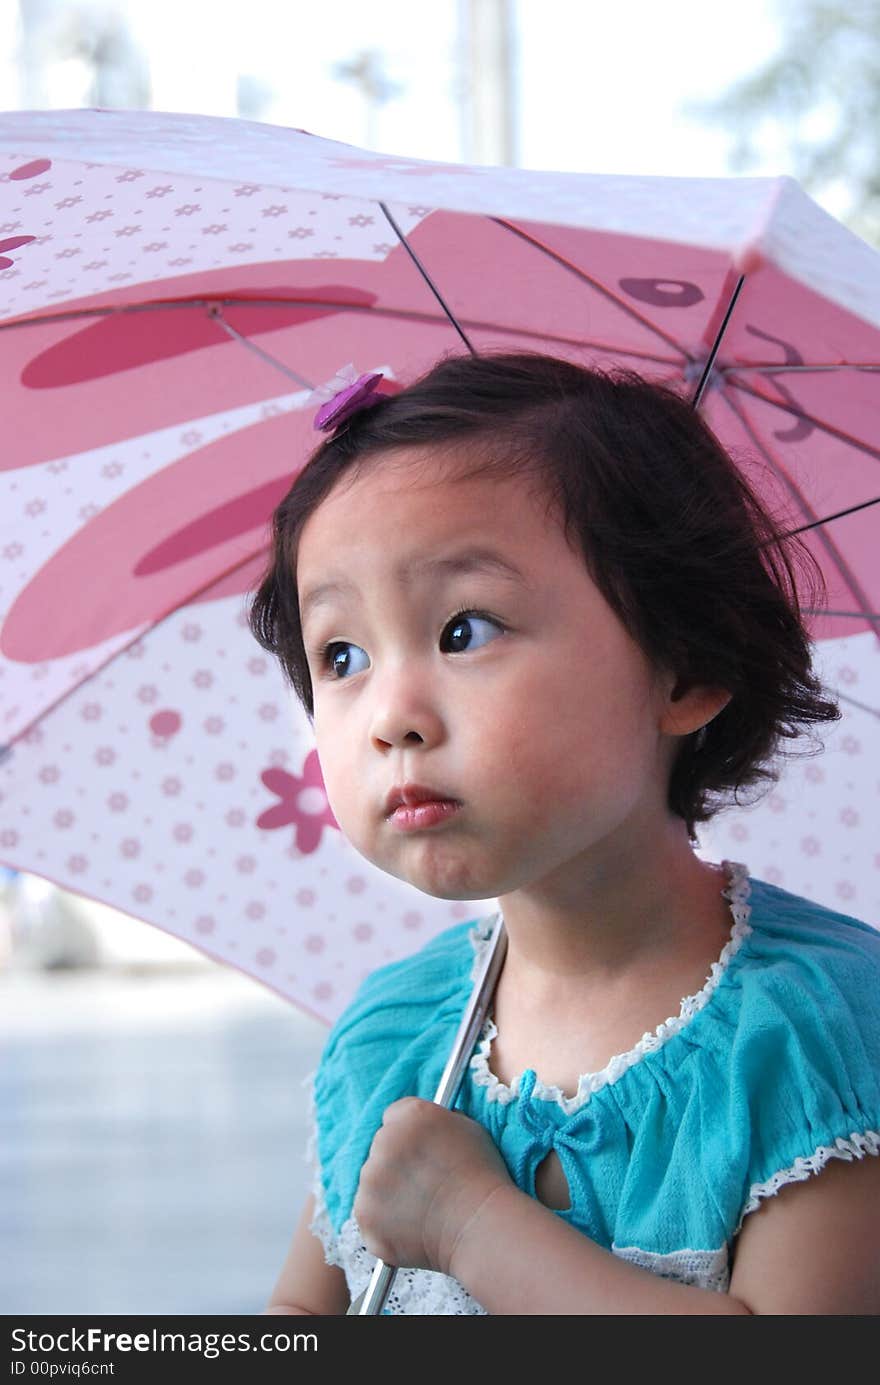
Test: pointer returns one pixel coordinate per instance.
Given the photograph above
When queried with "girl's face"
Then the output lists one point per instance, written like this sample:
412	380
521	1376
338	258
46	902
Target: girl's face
509	685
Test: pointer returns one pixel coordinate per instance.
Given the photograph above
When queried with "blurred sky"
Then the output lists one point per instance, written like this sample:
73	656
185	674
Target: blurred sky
600	85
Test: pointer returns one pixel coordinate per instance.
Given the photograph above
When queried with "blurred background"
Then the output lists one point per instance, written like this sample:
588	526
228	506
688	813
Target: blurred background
152	1113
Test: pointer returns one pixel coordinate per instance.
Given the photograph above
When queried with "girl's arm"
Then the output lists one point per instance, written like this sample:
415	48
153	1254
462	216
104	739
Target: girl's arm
307	1284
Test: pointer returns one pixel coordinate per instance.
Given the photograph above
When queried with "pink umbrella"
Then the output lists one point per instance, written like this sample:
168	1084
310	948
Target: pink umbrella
174	288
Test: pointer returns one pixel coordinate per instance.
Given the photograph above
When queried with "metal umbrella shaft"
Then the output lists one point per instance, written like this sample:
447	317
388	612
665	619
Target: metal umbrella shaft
372	1300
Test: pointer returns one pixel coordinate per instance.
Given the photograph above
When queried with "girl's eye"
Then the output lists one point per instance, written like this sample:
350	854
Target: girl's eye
336	660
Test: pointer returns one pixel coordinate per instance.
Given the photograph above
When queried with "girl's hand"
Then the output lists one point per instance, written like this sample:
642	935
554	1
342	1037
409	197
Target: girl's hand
429	1172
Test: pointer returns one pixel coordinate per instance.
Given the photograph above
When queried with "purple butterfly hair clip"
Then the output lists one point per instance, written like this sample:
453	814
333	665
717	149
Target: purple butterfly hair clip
345	395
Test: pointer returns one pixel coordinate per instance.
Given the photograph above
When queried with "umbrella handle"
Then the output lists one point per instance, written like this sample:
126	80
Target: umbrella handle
371	1300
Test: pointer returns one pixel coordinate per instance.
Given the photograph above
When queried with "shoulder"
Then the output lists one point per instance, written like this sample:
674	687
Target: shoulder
394	1003
803	1058
811	961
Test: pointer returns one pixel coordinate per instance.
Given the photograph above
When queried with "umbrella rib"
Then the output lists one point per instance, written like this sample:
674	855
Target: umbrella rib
152	625
394	313
827	542
797	412
216	312
710	359
854	702
586	278
427	278
853	615
766	368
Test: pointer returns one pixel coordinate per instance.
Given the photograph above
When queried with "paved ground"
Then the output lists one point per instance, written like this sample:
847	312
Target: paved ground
152	1131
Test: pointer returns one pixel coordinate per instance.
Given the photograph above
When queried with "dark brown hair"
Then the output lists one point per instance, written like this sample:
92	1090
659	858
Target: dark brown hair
671	530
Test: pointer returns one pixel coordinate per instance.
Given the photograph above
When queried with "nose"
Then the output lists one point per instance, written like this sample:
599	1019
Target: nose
405	713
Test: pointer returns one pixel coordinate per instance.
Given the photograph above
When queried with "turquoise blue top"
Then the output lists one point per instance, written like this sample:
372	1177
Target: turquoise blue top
768	1072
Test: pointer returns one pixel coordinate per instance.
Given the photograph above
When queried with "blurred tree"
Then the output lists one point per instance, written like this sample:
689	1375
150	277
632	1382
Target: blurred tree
366	72
92	35
820	95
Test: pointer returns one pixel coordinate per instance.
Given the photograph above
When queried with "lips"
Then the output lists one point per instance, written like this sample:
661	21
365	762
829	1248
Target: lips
410	795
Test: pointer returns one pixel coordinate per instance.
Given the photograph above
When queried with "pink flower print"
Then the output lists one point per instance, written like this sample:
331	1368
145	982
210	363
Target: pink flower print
130	847
8	837
315	943
194	879
171	786
35	507
814	774
847	674
63	818
246	864
305	897
143	893
91	711
412	919
205	924
303	803
214	725
811	846
247	189
49	774
12	550
849	817
105	755
130	175
363	932
189	439
235	818
255	909
160	191
266	957
739	831
182	832
844	889
136	650
276	209
191	633
77	865
225	771
117	802
112	469
187	209
268	711
256	666
203	678
148	692
851	744
776	803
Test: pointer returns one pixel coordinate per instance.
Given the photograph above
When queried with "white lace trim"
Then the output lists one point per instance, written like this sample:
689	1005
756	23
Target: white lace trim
736	892
707	1269
856	1147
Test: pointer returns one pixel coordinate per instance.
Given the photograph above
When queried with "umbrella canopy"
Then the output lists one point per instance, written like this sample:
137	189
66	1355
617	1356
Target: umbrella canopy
173	288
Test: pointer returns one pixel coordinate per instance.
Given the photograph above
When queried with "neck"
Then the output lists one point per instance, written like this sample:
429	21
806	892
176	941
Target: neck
611	917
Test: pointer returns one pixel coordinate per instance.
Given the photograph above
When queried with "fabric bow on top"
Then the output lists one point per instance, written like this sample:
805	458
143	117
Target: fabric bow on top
346	394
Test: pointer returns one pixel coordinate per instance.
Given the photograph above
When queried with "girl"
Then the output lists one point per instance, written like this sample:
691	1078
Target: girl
545	602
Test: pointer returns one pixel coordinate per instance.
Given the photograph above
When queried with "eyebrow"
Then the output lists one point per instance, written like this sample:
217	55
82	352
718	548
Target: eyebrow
471	560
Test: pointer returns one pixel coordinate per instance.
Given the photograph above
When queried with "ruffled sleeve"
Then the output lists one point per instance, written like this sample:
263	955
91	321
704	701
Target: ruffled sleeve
392	1041
804	1057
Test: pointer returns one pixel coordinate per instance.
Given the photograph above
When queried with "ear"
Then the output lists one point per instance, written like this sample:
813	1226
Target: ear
688	706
